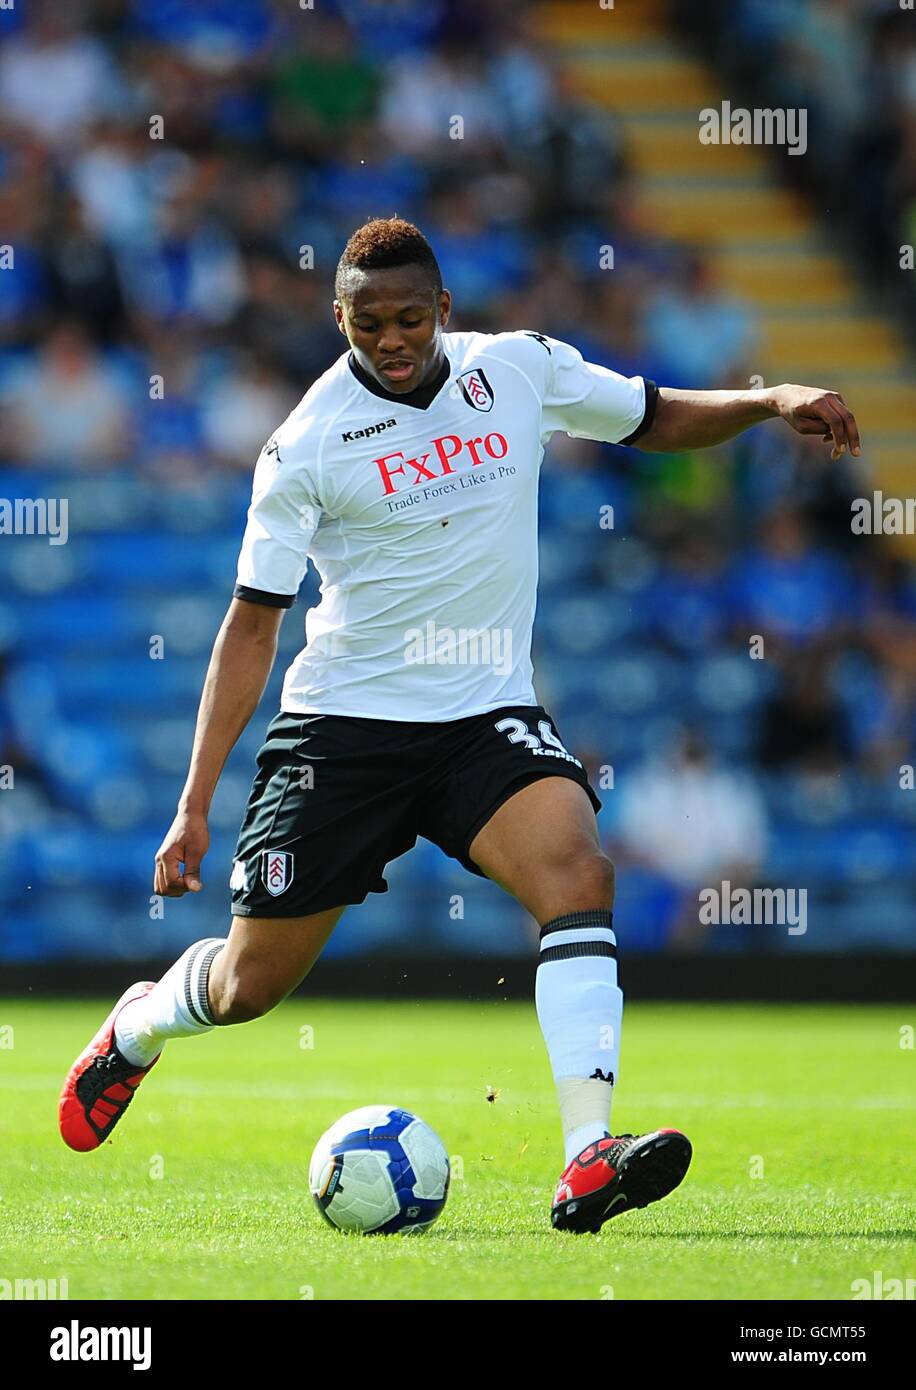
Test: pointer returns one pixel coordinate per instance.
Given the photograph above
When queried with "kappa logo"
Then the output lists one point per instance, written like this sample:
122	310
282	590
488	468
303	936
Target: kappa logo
238	879
276	870
539	337
368	431
476	389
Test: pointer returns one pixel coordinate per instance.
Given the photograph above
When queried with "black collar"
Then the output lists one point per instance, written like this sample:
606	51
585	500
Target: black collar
420	398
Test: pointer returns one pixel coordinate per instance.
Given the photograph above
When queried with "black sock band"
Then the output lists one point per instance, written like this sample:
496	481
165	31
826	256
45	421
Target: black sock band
196	998
590	917
203	998
570	948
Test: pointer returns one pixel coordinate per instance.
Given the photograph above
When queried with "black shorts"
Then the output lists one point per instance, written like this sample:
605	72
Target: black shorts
336	798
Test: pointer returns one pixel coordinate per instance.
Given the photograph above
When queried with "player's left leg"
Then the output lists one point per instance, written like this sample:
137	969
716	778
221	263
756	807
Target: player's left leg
542	846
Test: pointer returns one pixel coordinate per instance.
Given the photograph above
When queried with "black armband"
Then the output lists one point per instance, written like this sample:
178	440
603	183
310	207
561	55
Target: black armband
263	597
648	414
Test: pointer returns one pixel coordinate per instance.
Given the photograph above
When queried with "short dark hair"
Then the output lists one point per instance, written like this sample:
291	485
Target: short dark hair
384	242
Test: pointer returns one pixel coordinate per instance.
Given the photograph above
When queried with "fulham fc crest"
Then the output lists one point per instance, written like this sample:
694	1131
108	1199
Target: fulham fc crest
477	390
276	870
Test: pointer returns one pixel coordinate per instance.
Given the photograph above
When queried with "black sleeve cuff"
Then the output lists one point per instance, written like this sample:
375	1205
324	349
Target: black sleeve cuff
263	597
648	415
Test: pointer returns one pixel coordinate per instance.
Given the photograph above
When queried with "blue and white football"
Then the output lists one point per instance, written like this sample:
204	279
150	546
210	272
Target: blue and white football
379	1170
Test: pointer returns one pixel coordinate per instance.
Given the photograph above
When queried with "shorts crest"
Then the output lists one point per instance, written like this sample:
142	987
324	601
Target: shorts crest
276	870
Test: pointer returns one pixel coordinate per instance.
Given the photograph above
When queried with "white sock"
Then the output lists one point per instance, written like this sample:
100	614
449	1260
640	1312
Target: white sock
176	1007
580	1009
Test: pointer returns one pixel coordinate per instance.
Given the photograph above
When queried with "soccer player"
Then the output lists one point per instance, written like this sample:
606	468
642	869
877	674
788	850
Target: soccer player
408	474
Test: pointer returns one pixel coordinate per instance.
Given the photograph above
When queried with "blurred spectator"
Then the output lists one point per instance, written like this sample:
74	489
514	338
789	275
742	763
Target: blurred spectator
367	175
67	407
55	81
26	290
479	261
802	723
786	590
572	154
242	409
114	178
83	274
388	29
286	321
520	72
425	97
192	269
687	603
214	33
694	824
706	334
323	86
888	614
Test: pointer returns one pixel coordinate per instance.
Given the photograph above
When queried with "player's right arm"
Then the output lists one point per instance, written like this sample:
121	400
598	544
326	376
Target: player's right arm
282	518
243	655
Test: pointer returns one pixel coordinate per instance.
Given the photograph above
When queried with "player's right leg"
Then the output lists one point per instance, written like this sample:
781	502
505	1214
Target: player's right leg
214	982
305	842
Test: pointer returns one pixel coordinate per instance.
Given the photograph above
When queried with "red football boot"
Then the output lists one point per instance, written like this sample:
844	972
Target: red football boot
101	1083
619	1173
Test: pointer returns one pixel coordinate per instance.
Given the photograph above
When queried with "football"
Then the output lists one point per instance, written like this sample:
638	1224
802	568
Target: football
380	1170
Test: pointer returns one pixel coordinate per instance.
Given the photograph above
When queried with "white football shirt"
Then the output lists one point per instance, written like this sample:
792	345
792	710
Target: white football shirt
422	524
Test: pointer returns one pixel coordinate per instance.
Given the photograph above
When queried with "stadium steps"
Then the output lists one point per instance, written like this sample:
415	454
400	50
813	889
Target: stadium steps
813	337
792	279
814	323
574	21
714	213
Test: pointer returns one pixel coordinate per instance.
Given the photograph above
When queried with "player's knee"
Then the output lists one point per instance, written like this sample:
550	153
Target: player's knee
241	999
574	877
592	877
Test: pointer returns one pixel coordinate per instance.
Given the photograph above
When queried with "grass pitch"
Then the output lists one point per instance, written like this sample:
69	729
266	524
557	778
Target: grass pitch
802	1121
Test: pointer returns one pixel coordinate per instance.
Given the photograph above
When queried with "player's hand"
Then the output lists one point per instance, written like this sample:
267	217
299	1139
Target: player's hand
186	842
811	410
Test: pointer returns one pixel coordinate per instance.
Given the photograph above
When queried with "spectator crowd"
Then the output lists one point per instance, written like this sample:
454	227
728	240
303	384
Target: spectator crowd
176	183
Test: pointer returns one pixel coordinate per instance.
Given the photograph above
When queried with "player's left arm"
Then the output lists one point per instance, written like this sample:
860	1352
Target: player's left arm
700	419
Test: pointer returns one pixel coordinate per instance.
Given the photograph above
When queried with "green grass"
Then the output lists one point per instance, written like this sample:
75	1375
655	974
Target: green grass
823	1098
